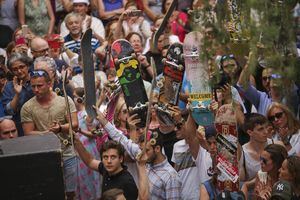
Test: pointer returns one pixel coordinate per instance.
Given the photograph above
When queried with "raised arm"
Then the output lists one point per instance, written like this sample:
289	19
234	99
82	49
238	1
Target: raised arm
21	12
51	16
85	156
132	148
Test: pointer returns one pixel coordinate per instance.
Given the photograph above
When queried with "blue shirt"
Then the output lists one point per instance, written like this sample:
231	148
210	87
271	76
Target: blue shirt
8	95
75	46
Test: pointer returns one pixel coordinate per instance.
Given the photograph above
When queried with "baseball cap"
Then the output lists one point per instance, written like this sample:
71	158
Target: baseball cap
210	131
282	189
87	2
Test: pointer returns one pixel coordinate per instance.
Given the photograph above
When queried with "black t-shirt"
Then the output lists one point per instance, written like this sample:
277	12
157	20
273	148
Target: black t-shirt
123	180
169	139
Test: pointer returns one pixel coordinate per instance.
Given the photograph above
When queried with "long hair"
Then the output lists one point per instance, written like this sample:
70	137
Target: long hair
293	123
278	154
293	165
118	109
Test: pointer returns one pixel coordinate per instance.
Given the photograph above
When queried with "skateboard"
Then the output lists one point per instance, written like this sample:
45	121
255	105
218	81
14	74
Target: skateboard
163	24
227	141
198	82
170	82
88	73
127	67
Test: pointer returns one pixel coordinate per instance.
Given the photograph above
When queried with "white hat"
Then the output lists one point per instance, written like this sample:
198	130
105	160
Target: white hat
87	2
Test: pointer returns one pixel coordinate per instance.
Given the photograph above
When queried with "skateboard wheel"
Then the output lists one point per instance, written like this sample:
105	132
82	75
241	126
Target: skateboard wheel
162	79
152	141
156	106
164	60
117	61
130	109
160	84
154	135
180	67
133	56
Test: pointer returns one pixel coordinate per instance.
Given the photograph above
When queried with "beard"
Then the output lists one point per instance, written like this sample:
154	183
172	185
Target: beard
152	159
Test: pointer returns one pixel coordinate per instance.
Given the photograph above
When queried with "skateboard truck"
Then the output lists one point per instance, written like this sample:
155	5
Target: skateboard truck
137	107
173	64
125	59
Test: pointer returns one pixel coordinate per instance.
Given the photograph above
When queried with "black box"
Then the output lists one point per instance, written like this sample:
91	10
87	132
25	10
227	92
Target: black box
31	168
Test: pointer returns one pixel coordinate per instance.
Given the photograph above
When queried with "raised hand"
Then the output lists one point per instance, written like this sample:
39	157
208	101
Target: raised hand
17	85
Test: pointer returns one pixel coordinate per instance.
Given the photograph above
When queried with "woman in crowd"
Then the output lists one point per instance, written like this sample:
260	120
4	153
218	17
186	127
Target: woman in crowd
88	186
286	127
38	15
290	171
271	160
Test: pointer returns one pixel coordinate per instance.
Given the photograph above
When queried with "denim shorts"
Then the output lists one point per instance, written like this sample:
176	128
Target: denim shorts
70	174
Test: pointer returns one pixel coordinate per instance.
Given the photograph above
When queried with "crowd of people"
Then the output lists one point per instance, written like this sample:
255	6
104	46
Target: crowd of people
111	157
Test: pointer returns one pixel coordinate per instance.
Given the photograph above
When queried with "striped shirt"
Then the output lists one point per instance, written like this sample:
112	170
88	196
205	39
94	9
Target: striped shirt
164	181
74	45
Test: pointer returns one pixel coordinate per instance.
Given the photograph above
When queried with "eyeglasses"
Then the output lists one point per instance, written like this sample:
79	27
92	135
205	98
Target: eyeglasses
275	116
265	78
226	57
42	51
19	67
264	160
39	73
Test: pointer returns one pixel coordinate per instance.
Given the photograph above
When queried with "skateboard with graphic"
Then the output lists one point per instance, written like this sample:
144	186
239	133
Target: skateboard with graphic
127	68
88	73
170	82
227	142
198	81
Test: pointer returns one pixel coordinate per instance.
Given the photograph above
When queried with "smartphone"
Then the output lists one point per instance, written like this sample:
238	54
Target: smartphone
135	13
24	30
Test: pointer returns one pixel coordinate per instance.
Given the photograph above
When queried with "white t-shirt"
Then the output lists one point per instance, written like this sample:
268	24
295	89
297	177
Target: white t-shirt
187	170
203	163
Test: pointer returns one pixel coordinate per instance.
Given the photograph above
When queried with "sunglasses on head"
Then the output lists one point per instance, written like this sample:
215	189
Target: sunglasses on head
275	116
5	117
226	57
39	73
264	160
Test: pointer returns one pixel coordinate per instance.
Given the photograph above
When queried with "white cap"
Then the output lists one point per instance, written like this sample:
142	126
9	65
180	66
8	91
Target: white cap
87	2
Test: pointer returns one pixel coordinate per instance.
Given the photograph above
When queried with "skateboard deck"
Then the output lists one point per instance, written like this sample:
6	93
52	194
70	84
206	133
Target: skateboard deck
227	141
197	77
127	67
163	25
170	83
88	73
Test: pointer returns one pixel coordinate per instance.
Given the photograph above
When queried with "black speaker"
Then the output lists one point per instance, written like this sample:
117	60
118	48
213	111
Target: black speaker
31	168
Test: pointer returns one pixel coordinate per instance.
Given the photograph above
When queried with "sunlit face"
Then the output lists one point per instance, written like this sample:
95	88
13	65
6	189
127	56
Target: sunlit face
74	25
136	43
8	130
259	133
40	87
266	78
230	67
278	118
284	173
123	114
20	70
266	162
151	152
80	8
112	161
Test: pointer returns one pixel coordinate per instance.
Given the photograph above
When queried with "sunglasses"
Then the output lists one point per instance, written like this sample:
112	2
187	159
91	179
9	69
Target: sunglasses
227	57
265	78
275	116
5	117
39	73
264	160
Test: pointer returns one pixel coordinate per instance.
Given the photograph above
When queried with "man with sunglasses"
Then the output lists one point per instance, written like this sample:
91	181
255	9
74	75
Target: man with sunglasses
47	112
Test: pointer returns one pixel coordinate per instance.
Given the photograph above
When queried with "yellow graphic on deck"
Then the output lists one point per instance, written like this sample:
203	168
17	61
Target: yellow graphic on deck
202	97
131	63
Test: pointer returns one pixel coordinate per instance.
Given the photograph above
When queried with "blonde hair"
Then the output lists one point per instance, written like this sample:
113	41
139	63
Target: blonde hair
293	123
118	109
